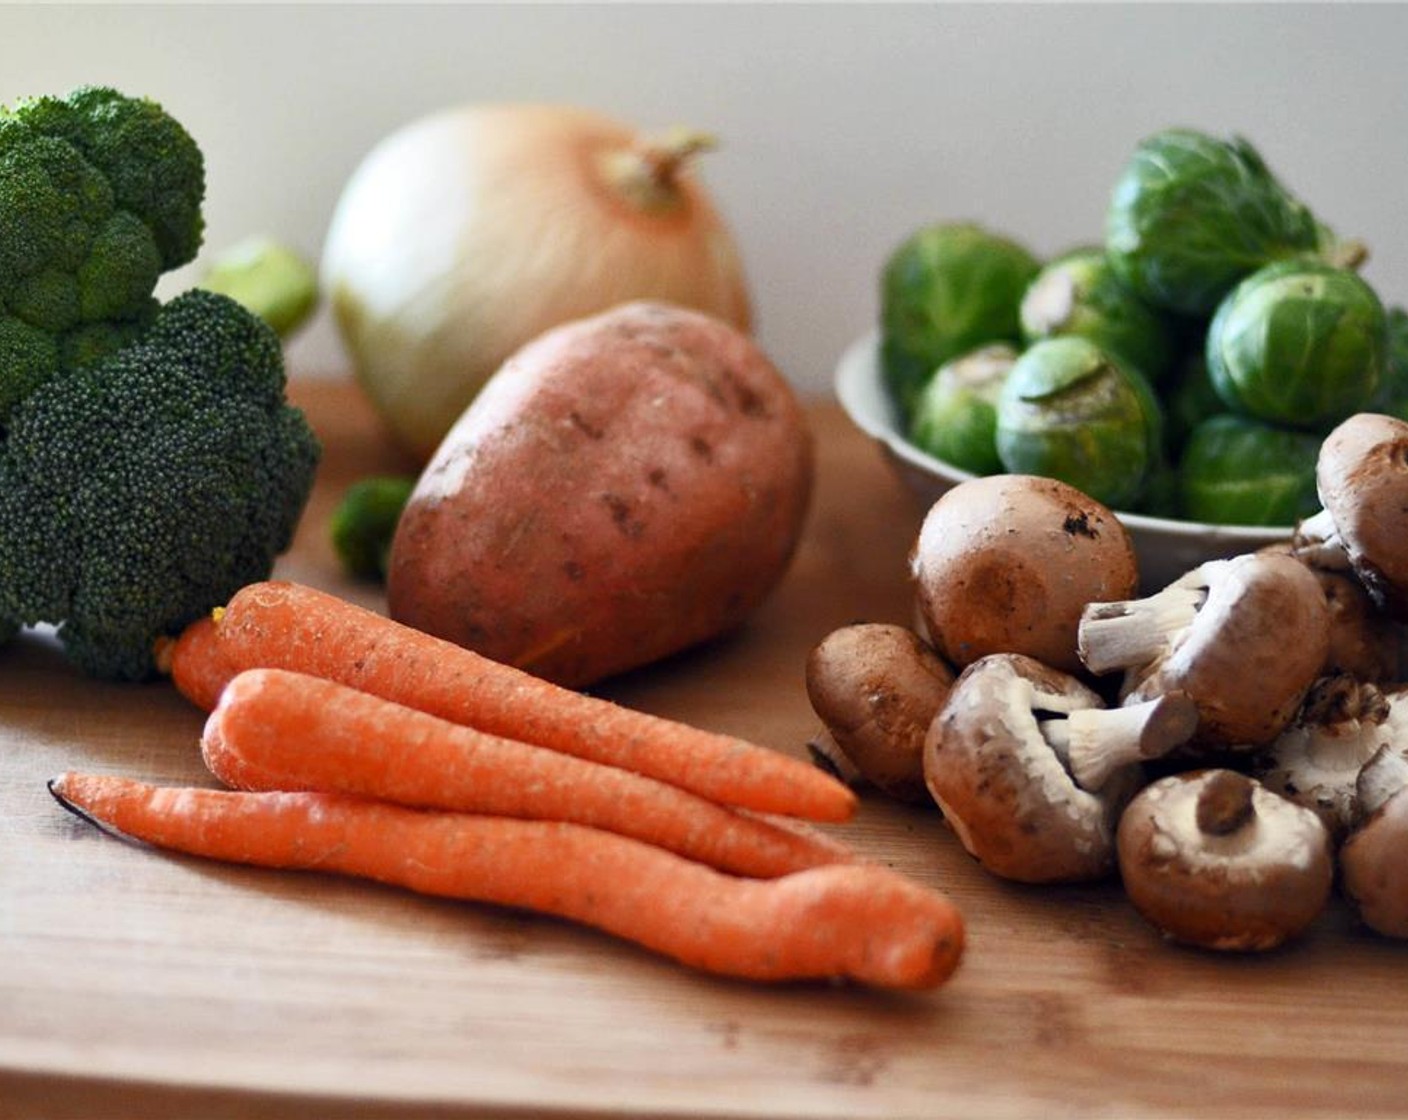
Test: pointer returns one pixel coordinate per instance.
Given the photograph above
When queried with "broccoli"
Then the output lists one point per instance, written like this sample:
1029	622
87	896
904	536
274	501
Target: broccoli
150	465
99	195
138	492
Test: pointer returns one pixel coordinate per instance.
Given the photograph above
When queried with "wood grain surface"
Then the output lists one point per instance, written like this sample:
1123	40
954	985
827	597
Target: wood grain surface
138	984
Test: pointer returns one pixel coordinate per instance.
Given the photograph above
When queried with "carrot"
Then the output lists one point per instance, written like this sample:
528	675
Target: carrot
282	625
279	730
857	921
193	661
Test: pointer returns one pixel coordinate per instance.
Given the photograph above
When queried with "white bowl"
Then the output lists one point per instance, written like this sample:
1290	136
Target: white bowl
1166	548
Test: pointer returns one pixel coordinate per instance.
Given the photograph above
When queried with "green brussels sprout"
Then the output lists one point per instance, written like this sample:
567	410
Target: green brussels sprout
269	279
955	417
1298	343
946	290
1188	400
1080	293
1072	412
1239	471
364	522
1191	215
1392	397
1160	496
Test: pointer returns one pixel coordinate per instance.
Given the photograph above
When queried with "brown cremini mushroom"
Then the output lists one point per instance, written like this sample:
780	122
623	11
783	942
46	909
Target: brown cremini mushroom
1364	642
1373	870
1362	479
877	688
1245	638
1213	859
1317	760
996	763
1006	563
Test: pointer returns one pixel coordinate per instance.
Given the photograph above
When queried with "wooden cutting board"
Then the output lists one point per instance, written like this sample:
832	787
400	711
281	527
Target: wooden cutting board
137	984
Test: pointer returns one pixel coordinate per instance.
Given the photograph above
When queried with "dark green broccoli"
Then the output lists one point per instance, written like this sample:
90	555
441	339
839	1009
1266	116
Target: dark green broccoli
140	491
99	195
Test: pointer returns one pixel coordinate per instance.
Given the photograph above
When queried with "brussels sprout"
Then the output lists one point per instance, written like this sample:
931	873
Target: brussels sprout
955	417
1080	293
1239	471
1188	401
1191	215
1392	397
946	290
1298	343
1072	412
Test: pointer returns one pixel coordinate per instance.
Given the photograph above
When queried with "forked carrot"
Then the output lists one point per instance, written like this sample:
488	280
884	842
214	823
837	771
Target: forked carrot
193	661
278	730
857	921
280	625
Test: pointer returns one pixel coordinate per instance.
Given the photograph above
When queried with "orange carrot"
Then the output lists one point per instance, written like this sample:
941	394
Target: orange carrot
279	730
857	921
194	663
283	625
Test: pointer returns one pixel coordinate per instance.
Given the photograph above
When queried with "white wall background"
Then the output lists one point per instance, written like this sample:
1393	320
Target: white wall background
844	126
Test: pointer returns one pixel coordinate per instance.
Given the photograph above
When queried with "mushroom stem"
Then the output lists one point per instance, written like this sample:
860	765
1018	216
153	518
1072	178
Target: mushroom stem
1383	776
1096	743
1131	634
1317	543
1225	803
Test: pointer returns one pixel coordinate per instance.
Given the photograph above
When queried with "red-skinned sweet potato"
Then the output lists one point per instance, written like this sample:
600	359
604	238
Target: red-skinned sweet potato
626	486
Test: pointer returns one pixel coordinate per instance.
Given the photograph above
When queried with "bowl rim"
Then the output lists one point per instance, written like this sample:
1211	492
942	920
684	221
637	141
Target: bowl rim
870	408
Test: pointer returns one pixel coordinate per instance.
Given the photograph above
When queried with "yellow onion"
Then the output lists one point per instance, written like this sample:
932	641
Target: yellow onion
466	234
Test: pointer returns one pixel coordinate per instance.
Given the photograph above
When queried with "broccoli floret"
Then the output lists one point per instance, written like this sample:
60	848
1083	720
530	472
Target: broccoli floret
99	195
138	492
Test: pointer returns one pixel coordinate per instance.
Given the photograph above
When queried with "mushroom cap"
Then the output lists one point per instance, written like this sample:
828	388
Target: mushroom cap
1249	889
1364	642
1003	790
877	687
1250	655
1374	873
1006	564
1362	478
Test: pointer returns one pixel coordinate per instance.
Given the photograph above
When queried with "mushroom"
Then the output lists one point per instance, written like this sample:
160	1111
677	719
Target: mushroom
1316	761
1006	563
1364	642
995	762
877	688
1362	479
1212	858
1245	638
1373	872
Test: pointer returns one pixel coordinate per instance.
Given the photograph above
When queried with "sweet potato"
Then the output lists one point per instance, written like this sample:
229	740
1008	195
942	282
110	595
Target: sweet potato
626	486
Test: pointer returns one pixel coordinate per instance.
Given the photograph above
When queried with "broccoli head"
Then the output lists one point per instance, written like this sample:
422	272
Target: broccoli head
100	194
140	491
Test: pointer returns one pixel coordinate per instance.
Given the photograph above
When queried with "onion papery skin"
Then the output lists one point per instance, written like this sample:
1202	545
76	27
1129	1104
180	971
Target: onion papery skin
466	234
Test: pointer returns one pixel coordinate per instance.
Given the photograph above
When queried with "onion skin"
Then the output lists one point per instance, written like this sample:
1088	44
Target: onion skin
465	235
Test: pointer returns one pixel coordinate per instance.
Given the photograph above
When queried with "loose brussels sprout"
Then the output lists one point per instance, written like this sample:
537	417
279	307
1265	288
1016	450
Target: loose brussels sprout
1080	293
1070	411
1192	214
946	290
955	417
1392	397
1298	343
1239	471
